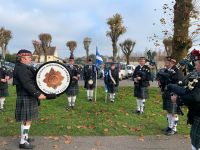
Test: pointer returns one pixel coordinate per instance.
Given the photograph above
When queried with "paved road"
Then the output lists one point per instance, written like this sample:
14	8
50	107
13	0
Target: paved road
125	82
103	143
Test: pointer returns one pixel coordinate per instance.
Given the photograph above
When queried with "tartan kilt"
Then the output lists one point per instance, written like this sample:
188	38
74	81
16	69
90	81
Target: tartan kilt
26	108
141	92
73	90
88	86
4	92
195	133
168	105
112	88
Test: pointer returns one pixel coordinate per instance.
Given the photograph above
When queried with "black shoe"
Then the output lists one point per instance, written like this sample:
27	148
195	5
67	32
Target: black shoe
30	140
112	101
167	129
137	112
26	146
68	108
171	132
90	99
72	107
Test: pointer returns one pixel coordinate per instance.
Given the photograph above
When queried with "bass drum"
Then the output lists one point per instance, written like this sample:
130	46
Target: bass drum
53	78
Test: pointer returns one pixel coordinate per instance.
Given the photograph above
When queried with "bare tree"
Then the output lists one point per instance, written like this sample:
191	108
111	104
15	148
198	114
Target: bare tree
45	39
87	42
72	46
115	24
5	36
168	46
38	48
127	48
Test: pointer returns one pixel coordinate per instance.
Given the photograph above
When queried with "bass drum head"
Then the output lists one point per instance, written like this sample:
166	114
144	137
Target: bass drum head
53	78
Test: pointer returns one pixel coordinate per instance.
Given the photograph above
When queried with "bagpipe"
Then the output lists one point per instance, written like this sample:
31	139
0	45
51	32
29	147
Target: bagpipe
53	79
186	65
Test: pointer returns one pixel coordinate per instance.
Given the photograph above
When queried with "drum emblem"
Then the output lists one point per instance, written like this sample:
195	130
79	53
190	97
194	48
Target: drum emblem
53	78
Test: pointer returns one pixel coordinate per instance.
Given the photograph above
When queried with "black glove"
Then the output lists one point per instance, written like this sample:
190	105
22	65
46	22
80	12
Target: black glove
50	96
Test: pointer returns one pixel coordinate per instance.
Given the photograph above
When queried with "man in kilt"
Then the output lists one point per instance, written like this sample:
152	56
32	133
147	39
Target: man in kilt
192	100
73	88
174	75
28	96
89	77
141	78
4	77
112	81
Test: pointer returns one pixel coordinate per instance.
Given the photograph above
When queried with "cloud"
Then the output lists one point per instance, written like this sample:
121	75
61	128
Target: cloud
75	19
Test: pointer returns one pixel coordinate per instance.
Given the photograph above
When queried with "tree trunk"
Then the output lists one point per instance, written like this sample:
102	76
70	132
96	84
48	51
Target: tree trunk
38	58
127	60
87	54
181	41
4	52
114	45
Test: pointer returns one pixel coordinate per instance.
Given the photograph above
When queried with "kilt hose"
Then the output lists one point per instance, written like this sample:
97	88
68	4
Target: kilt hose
26	108
4	92
168	105
141	92
195	133
73	90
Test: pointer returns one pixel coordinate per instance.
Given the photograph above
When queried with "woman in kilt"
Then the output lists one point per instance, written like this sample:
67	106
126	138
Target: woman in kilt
192	100
27	96
112	81
73	88
4	77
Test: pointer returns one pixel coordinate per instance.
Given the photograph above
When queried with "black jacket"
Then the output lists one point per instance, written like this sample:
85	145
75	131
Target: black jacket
89	73
115	75
144	73
3	73
24	79
73	73
192	100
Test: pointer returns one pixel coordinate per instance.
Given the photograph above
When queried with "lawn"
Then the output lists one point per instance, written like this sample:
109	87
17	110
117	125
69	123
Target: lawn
90	119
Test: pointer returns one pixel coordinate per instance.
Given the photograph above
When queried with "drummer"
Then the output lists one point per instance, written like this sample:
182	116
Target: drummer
73	88
89	76
27	96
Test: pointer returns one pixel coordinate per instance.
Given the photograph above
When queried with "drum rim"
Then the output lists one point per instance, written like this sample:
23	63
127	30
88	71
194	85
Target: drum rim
57	63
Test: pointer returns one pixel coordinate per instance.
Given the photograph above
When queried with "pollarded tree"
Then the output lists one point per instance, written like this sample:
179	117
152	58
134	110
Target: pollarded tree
86	43
115	24
45	39
127	48
168	46
72	46
38	48
5	36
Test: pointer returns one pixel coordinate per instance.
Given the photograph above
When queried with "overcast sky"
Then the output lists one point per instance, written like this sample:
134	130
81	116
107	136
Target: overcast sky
75	19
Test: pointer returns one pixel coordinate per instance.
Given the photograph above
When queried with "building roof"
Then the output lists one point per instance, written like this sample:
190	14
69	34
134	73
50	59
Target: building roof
50	52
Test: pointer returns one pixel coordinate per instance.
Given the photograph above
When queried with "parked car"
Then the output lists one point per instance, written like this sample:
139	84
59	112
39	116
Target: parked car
130	70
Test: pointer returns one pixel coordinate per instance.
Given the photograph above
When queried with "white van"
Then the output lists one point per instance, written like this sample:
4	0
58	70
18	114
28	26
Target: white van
130	70
123	73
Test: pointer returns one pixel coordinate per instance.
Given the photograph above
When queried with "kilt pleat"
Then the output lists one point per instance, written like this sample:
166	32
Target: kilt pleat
141	92
73	90
4	92
195	133
26	108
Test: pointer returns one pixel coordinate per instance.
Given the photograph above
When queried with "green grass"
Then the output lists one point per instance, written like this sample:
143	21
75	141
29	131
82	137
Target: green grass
93	118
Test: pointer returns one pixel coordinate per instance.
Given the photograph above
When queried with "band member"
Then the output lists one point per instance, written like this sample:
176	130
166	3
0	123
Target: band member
27	96
4	77
192	100
112	81
90	79
174	75
73	88
141	77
